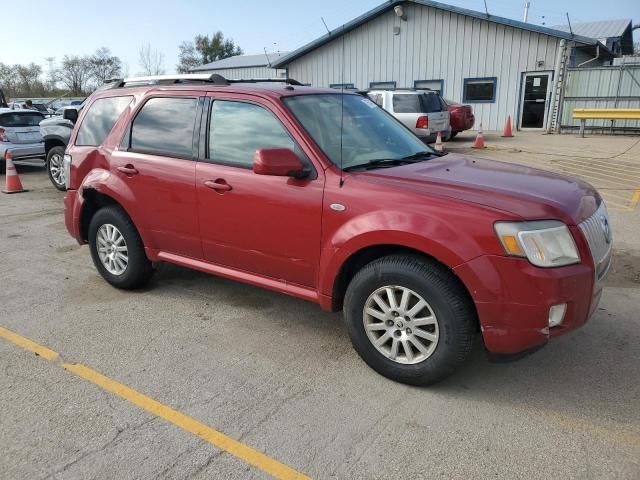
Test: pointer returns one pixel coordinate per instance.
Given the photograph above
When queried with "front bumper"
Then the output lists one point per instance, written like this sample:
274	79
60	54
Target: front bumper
513	297
21	150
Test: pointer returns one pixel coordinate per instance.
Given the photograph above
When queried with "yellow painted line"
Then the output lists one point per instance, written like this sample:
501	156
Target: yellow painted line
634	200
27	344
218	439
601	172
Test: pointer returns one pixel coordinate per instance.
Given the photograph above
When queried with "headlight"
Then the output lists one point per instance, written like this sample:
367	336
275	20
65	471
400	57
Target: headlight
66	169
545	243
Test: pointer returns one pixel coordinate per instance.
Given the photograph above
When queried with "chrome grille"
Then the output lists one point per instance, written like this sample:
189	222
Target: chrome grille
597	231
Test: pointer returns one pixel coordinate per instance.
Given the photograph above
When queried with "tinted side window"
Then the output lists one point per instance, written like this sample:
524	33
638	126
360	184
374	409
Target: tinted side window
165	126
100	119
238	129
408	103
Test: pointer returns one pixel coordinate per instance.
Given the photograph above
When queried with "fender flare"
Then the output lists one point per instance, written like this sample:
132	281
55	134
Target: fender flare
106	183
426	234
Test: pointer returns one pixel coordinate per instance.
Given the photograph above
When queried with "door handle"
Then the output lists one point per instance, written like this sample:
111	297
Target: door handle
219	185
128	169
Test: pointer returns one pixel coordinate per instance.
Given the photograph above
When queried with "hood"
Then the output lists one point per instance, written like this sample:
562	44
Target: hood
57	120
527	192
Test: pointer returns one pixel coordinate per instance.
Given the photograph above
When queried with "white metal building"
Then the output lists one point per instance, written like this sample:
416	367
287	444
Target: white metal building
498	65
245	66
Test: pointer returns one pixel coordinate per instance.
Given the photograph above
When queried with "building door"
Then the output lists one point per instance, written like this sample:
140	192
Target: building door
535	99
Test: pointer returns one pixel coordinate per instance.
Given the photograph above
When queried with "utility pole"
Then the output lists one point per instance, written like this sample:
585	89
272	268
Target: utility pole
526	11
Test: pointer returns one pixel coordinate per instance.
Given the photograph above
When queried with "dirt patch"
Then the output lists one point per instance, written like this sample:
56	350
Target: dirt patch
625	269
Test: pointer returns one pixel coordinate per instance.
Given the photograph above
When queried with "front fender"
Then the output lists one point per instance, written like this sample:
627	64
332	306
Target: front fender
429	234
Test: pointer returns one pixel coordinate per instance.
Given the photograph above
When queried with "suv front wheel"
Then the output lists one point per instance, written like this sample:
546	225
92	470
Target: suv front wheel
409	319
117	249
55	167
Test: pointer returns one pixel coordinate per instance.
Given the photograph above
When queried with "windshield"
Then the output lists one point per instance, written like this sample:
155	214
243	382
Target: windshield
21	119
369	133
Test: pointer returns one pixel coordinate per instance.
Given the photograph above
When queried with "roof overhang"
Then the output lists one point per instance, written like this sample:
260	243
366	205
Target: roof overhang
389	5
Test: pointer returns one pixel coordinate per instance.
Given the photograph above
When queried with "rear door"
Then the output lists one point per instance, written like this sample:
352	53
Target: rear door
406	108
156	161
22	127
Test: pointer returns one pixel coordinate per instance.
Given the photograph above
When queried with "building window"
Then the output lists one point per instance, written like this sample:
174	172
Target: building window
479	90
382	85
340	86
435	85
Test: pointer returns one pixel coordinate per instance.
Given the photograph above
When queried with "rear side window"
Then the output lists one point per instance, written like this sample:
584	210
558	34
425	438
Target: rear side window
238	129
406	103
21	119
431	103
100	119
164	126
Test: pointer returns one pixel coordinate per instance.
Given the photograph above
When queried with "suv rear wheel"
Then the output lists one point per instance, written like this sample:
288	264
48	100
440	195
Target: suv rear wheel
409	319
117	249
55	168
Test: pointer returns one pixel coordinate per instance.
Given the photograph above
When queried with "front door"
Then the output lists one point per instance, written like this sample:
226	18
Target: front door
535	99
266	225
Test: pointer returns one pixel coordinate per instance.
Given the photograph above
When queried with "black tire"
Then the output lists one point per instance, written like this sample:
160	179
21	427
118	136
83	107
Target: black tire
447	298
139	269
453	135
55	153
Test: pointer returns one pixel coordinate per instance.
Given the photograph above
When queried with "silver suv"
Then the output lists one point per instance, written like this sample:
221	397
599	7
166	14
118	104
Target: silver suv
423	111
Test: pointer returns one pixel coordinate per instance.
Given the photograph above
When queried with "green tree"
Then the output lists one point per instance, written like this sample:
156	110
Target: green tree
216	47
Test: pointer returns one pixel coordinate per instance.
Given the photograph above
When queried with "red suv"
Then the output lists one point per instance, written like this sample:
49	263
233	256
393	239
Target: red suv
325	196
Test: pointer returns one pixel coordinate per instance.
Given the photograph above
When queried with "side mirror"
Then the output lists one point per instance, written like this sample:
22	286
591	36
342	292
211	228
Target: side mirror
281	162
70	114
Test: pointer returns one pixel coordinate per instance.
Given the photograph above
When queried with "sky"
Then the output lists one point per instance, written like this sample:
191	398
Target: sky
78	27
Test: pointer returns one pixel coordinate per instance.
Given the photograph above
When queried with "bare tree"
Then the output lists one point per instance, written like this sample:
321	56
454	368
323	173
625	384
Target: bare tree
188	57
75	73
104	65
151	61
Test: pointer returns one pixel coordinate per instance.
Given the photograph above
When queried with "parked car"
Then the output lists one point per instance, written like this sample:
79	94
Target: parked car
20	133
55	133
321	195
420	110
460	116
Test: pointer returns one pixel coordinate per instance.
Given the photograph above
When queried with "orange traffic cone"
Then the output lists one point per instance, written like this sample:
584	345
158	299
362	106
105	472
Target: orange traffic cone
479	143
13	180
507	128
439	147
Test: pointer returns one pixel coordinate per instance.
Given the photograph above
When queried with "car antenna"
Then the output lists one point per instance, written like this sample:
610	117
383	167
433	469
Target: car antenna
342	109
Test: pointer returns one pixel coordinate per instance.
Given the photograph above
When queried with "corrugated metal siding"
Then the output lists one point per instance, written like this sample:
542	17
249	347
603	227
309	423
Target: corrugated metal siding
248	72
598	88
433	44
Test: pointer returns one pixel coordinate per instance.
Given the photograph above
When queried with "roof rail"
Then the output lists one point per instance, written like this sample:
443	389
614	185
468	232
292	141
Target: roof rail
168	79
288	81
212	78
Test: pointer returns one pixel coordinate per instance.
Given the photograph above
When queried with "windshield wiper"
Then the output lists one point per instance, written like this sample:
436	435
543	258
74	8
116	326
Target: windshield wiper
420	156
391	162
378	162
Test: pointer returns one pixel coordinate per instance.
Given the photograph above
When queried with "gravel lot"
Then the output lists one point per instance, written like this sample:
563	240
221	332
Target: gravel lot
279	375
